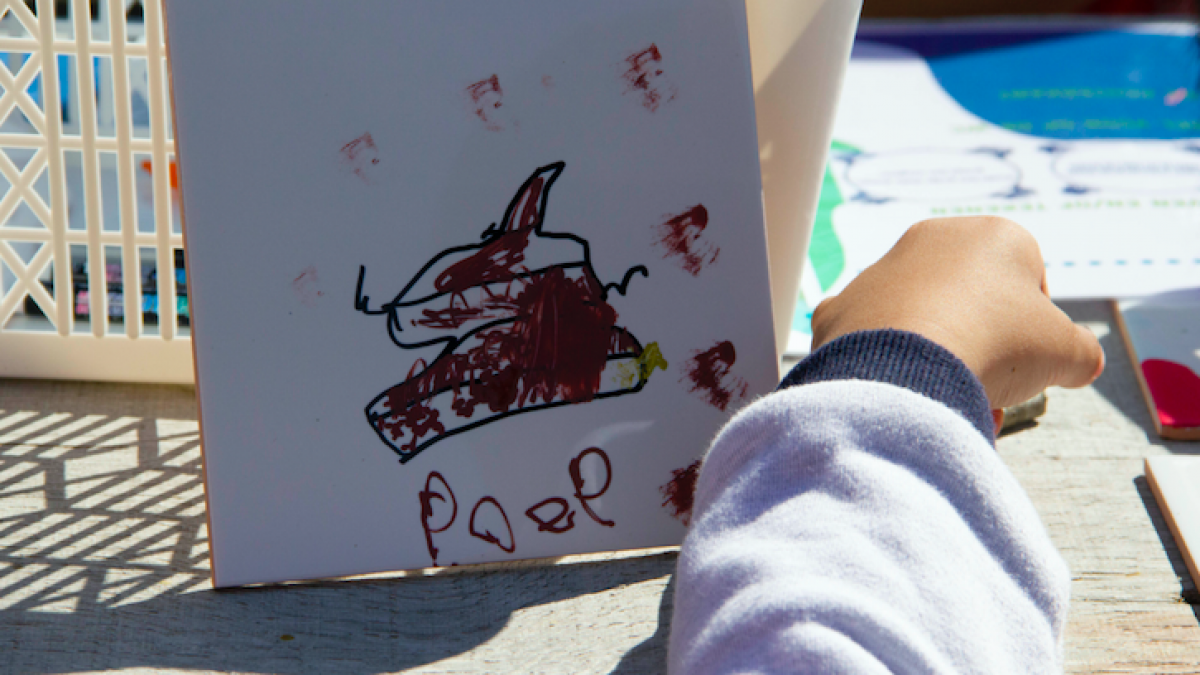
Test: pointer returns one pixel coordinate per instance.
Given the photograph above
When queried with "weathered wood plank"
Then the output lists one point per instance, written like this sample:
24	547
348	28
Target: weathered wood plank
104	560
1083	468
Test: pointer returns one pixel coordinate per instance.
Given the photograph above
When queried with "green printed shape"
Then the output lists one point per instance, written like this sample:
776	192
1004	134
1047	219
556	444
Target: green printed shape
825	252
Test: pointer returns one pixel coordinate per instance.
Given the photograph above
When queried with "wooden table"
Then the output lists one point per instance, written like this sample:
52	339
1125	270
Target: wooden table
104	560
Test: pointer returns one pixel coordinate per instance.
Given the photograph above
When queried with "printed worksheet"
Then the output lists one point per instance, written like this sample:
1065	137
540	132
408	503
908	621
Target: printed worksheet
1087	135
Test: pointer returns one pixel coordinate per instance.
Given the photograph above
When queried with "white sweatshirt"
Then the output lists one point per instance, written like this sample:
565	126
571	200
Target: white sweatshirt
849	524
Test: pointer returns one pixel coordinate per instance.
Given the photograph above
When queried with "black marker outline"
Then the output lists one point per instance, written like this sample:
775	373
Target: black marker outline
362	303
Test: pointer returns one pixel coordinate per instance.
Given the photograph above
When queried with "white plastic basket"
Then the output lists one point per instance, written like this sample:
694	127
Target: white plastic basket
89	217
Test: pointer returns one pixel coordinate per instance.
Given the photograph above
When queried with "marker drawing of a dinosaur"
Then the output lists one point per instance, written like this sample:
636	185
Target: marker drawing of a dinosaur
524	324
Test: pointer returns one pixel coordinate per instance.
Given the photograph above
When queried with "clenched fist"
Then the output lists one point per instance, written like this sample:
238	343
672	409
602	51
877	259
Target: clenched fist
976	286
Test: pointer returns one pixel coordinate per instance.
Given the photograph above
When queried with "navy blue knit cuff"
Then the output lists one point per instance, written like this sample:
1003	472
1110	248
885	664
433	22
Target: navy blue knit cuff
903	359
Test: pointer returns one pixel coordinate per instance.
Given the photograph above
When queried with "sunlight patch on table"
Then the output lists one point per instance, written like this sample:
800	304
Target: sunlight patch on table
22	489
42	587
98	464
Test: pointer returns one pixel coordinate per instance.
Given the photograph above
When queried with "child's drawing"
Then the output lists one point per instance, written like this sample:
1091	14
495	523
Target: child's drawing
486	98
682	239
644	77
359	155
525	325
709	374
679	492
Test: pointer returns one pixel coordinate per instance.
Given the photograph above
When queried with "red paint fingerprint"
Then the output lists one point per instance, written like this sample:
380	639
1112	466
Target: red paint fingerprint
708	374
644	77
507	545
682	237
548	82
679	492
486	96
1176	392
306	288
359	155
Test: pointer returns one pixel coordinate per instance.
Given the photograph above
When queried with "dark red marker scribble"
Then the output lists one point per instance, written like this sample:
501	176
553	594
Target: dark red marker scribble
486	96
556	349
708	374
359	155
514	339
682	238
487	535
498	258
644	77
427	496
306	288
679	492
552	524
578	482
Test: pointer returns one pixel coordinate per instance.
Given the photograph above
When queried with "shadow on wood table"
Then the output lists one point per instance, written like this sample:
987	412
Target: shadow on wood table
651	655
1119	383
1132	601
104	563
1120	387
104	556
1189	593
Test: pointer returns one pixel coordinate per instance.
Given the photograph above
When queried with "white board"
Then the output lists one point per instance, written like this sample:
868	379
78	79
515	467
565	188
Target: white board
1175	481
540	222
1162	334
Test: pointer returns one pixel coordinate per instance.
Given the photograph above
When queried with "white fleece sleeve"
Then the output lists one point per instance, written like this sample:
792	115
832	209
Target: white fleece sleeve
860	527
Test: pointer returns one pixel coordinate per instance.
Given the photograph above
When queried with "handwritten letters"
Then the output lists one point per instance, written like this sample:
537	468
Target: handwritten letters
554	515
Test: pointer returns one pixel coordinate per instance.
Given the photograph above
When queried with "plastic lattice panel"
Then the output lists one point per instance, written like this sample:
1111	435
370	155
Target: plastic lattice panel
92	274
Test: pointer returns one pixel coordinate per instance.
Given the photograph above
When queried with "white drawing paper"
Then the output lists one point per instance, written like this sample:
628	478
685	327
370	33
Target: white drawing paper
470	281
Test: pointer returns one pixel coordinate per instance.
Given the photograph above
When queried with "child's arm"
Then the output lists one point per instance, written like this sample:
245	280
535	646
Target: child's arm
859	520
976	286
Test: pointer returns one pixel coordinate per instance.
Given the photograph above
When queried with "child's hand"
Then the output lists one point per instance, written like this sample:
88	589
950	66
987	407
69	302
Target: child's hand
976	286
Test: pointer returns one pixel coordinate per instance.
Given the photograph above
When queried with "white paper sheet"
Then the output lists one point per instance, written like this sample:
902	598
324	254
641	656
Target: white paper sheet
517	246
1097	157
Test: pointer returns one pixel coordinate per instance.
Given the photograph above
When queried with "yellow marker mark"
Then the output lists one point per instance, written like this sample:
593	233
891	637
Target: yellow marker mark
626	375
630	372
649	359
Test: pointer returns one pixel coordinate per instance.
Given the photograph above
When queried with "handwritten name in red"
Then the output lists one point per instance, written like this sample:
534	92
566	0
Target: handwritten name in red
489	521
